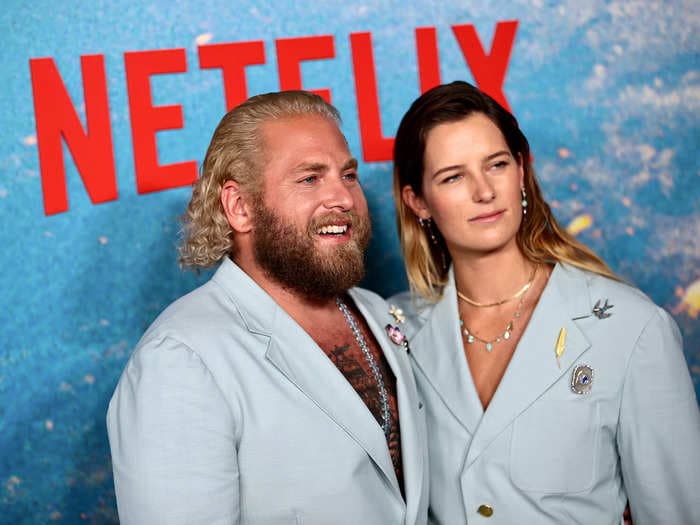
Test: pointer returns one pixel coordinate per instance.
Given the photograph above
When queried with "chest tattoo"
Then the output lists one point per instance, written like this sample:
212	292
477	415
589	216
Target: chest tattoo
351	363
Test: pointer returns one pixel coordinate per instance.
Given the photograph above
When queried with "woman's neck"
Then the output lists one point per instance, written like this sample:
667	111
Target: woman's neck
489	278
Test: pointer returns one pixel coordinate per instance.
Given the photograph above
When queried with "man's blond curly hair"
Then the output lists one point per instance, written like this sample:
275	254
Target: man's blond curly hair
237	153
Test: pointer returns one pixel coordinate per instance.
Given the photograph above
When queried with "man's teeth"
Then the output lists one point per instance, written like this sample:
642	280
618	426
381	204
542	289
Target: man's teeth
333	229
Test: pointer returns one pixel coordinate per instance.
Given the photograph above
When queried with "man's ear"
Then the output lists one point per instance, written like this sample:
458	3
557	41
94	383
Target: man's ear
236	207
415	202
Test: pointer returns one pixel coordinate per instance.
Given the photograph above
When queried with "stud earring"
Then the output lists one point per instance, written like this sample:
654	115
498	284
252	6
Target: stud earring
524	201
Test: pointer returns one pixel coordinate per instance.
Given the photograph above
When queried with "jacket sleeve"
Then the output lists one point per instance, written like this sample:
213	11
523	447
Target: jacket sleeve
172	441
659	429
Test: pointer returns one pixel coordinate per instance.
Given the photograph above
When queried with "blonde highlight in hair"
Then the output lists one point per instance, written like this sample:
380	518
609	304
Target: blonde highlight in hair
427	275
540	238
236	152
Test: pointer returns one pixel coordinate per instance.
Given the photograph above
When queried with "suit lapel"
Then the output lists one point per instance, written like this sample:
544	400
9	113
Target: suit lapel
297	356
412	439
447	370
302	362
533	368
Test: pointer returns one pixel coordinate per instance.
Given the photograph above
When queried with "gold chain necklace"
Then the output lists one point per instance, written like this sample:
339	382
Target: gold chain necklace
471	336
502	301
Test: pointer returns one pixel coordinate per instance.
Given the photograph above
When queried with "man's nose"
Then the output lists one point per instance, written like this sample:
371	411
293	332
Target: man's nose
337	195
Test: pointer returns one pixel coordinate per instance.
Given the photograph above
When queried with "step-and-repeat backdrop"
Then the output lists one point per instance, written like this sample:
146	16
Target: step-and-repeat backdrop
107	109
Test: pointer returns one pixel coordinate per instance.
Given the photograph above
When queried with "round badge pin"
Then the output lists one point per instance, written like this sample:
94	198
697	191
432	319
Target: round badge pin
582	379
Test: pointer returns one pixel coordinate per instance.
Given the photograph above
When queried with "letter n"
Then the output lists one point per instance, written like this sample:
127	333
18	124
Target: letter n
58	121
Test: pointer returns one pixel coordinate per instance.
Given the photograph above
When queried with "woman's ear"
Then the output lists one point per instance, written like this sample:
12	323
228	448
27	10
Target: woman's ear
414	202
236	207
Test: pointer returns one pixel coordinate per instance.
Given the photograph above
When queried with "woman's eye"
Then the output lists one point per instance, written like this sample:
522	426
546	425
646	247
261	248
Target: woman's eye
500	164
450	179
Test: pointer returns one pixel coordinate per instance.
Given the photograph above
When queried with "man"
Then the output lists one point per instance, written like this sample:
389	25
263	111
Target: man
273	393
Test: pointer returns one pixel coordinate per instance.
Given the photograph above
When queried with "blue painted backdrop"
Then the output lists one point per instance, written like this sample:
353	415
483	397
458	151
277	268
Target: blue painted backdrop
607	92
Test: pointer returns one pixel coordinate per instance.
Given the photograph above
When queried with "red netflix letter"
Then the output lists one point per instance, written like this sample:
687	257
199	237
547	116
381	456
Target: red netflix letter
56	120
375	147
489	71
292	51
232	58
428	63
147	119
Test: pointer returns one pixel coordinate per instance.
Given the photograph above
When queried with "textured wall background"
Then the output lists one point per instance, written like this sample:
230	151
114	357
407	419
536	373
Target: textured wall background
608	93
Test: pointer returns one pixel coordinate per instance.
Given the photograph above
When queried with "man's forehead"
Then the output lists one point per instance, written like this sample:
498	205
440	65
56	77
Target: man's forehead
310	142
300	121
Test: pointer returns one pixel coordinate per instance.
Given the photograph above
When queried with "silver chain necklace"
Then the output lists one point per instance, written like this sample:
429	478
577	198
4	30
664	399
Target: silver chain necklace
383	398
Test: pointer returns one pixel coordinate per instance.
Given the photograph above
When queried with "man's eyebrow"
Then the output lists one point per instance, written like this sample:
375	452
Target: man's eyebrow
314	167
350	164
320	167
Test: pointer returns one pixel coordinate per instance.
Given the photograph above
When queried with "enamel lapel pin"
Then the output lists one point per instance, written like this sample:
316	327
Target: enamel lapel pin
582	379
601	312
560	346
394	332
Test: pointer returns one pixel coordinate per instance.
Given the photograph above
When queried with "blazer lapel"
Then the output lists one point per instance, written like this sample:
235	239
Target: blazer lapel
302	362
533	367
447	371
412	434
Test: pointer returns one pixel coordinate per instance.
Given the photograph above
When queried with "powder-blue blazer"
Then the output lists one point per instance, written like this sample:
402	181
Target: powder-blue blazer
228	412
542	453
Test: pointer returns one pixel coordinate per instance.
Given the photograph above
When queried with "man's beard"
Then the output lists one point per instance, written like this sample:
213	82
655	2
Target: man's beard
289	256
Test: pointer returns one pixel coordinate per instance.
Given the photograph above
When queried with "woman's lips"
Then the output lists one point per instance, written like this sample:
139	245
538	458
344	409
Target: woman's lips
488	217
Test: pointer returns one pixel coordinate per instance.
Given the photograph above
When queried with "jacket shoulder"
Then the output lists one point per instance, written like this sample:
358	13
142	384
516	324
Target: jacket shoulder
203	308
633	315
624	296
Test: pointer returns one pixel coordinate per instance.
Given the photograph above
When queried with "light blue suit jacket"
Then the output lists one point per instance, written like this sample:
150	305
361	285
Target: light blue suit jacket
542	453
228	412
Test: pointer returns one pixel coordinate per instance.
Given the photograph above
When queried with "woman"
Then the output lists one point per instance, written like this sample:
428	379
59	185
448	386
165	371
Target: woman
554	393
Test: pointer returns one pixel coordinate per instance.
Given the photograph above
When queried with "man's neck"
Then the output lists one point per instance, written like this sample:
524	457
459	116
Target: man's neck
309	312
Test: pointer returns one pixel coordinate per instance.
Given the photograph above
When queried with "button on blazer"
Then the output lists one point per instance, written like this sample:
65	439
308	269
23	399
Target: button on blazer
544	451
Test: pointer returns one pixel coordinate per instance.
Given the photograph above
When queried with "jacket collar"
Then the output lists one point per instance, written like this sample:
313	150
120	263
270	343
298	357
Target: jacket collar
445	369
438	351
302	362
533	369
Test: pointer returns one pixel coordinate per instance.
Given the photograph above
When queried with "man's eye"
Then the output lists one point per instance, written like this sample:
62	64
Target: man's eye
351	176
309	180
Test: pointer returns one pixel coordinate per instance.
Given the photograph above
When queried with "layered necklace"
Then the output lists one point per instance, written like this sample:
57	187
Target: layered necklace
383	398
470	336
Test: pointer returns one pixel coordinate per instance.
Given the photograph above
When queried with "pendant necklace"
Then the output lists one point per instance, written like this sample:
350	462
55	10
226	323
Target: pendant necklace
383	398
470	336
